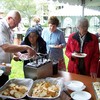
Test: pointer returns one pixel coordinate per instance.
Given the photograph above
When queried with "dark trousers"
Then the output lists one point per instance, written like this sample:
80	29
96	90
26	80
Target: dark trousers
98	74
81	66
3	79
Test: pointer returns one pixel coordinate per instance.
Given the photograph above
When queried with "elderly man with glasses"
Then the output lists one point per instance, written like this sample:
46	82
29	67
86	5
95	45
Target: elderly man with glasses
12	20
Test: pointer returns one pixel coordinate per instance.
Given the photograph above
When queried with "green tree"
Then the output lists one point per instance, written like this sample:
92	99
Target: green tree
26	7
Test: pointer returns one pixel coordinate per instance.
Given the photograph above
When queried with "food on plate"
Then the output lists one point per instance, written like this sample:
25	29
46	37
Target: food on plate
24	56
45	89
78	54
81	55
4	64
15	90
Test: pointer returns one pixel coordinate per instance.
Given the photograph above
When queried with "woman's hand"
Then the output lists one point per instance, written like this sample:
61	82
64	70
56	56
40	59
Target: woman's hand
16	58
31	52
93	75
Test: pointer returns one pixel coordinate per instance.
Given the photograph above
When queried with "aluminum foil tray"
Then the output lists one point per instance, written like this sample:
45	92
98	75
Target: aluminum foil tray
25	82
57	81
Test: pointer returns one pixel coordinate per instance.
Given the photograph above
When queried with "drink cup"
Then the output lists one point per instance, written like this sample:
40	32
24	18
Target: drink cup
55	68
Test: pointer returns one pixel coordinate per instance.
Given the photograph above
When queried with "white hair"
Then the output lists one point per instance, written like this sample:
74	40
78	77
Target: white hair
14	14
82	21
98	30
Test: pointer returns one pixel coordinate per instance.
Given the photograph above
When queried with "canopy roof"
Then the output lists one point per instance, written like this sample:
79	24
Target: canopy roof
68	11
95	4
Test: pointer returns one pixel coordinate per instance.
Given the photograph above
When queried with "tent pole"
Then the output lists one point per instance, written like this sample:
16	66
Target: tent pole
83	6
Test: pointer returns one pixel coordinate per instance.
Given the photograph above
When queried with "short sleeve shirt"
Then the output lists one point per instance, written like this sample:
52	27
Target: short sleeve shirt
4	38
54	38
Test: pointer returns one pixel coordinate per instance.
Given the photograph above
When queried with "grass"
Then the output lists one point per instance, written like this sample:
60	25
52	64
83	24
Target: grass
17	68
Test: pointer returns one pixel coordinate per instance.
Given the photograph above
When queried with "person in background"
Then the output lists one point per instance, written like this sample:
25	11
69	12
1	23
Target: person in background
34	40
98	73
98	34
83	42
12	20
55	42
37	24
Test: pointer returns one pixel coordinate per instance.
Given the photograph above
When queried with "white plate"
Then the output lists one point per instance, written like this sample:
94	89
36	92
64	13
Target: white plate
75	85
8	65
1	72
25	57
52	46
80	55
81	95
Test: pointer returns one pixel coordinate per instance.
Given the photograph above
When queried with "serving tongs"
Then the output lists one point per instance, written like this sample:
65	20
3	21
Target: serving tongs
38	58
43	55
65	90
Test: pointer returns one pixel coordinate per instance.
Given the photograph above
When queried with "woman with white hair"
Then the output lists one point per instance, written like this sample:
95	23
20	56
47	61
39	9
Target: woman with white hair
83	42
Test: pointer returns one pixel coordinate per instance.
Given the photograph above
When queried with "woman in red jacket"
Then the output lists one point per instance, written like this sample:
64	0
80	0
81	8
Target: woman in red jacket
83	42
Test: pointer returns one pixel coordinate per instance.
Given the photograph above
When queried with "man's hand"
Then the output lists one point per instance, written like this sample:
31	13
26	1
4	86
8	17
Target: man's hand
31	52
16	58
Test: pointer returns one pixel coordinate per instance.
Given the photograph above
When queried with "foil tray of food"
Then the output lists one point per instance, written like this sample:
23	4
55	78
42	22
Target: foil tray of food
15	89
46	89
96	87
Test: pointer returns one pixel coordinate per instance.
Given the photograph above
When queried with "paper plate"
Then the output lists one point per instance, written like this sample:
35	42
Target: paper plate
52	46
1	72
79	55
75	85
81	95
25	57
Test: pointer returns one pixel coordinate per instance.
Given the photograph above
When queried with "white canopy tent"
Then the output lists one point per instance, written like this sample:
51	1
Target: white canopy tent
68	11
95	4
80	2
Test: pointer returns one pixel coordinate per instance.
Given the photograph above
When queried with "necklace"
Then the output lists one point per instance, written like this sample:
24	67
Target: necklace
34	47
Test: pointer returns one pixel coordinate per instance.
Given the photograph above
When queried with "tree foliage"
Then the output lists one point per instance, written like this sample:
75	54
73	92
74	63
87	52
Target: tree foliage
26	7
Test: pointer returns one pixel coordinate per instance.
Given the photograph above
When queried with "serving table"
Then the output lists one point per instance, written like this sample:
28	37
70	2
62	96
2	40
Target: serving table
85	79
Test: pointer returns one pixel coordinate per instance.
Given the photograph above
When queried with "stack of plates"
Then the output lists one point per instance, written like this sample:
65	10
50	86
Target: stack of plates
78	87
81	95
75	85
